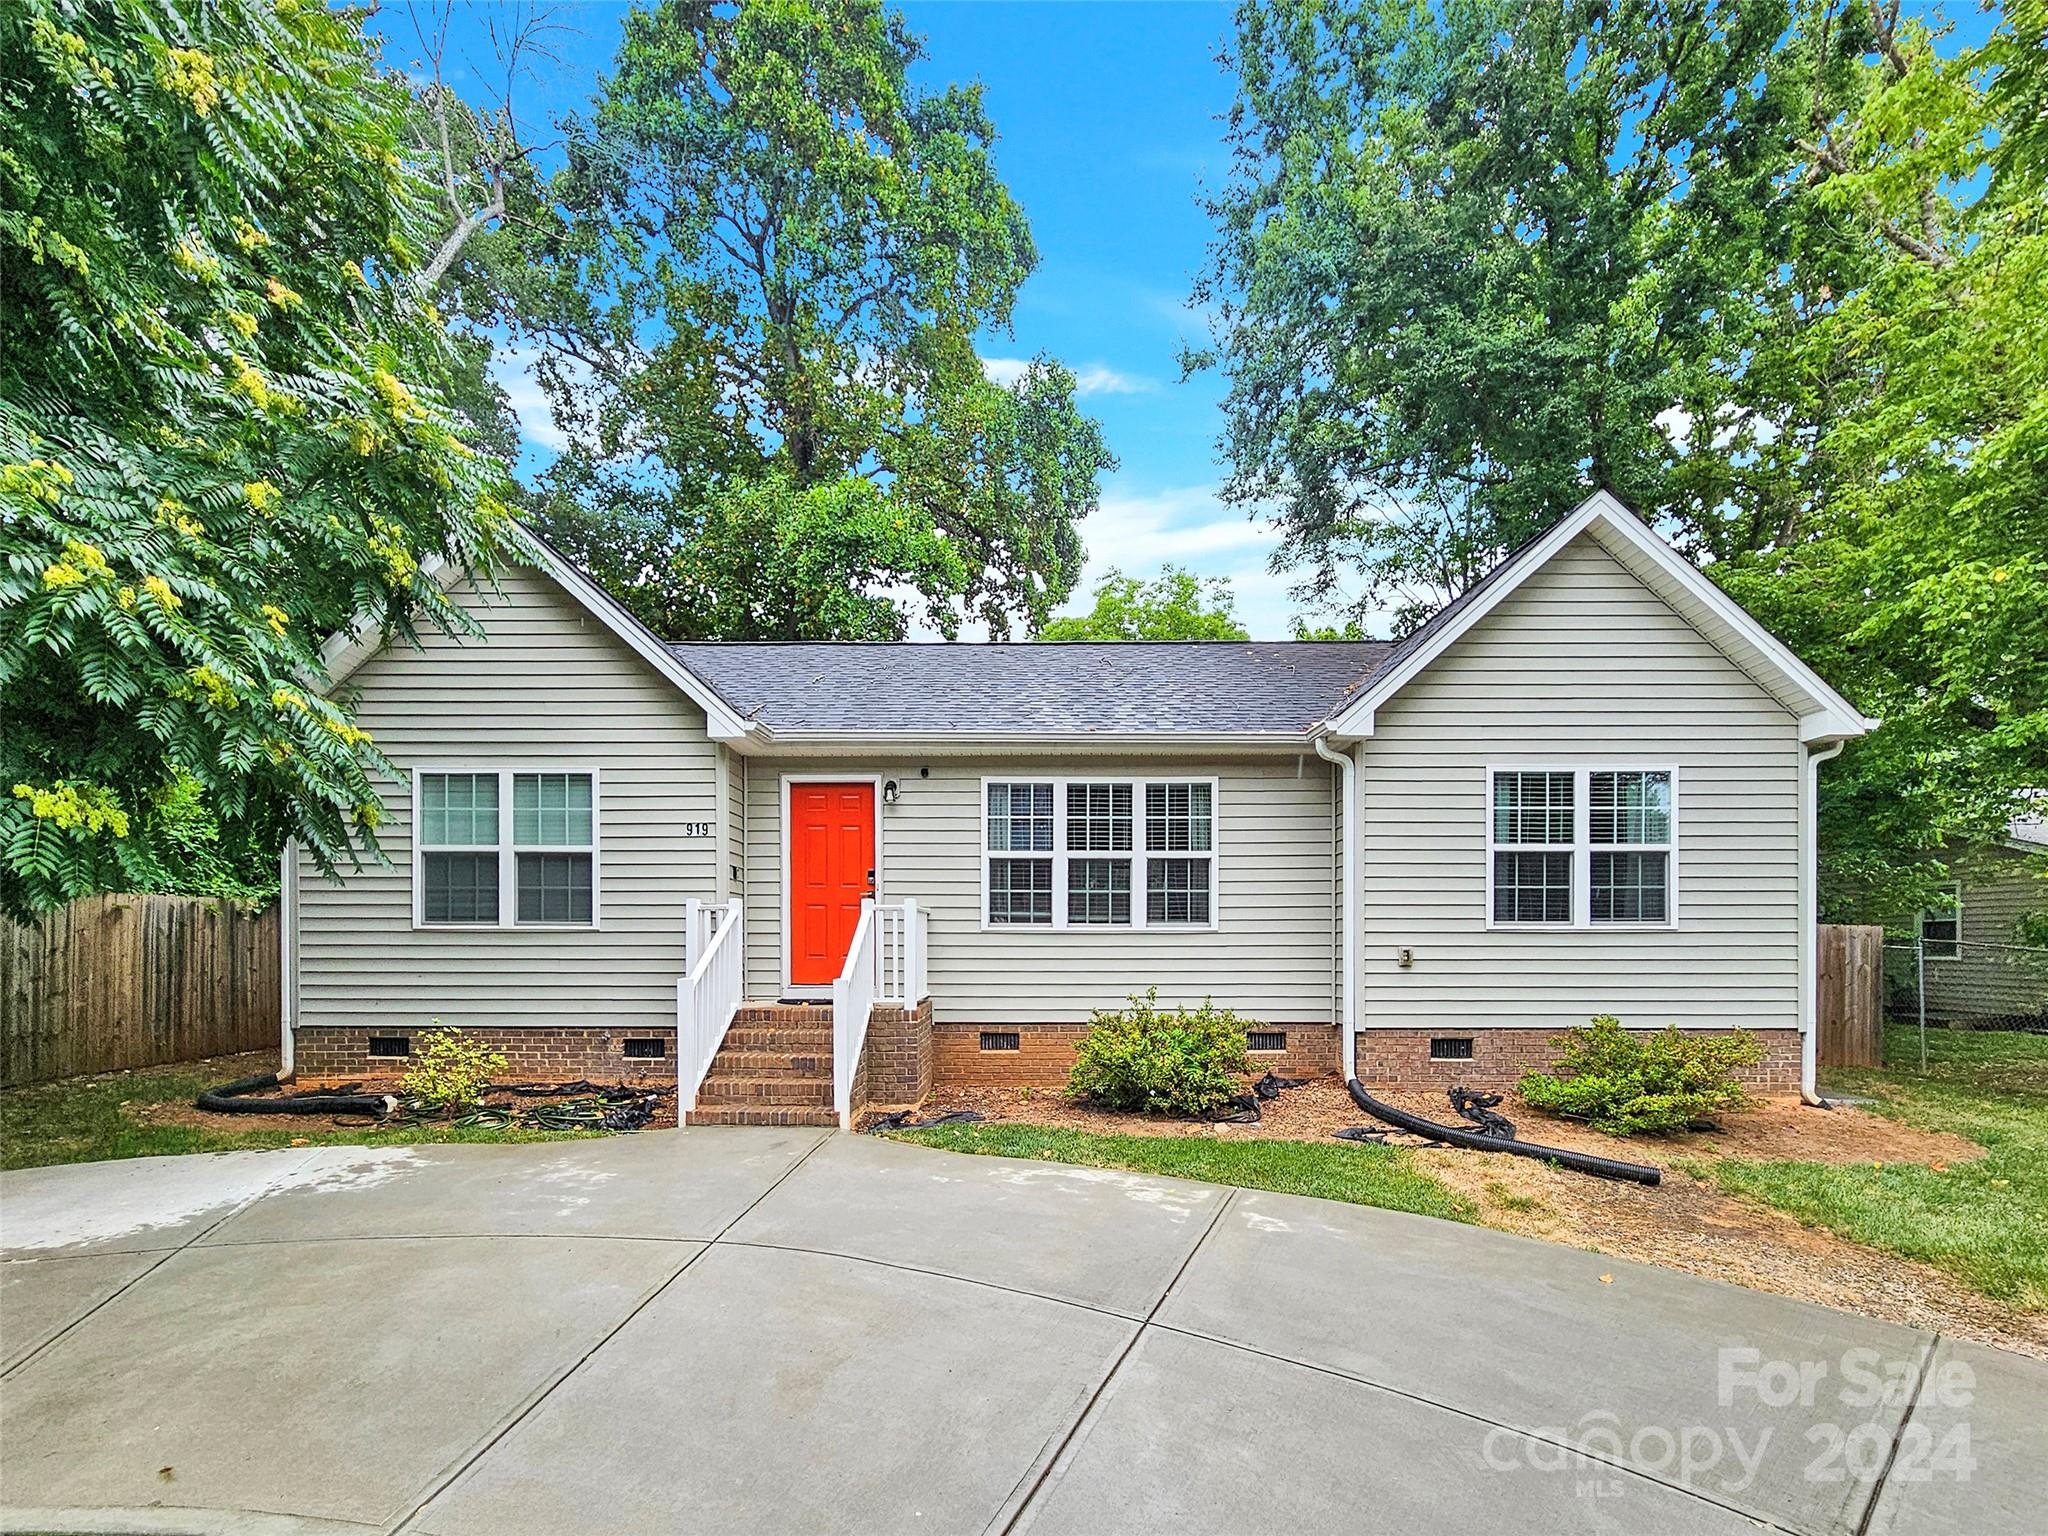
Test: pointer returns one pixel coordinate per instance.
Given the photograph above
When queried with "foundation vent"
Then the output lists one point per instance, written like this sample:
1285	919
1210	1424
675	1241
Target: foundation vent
1450	1048
390	1045
1000	1040
651	1046
1265	1039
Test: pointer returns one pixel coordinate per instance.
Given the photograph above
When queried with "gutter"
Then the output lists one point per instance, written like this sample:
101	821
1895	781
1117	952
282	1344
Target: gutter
1809	931
1346	1006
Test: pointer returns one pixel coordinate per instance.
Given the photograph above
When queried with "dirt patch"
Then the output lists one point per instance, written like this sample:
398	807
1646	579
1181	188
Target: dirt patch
1684	1223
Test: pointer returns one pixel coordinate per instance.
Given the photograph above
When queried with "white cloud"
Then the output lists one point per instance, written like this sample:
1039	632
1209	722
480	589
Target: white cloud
1098	380
1675	422
512	367
1094	379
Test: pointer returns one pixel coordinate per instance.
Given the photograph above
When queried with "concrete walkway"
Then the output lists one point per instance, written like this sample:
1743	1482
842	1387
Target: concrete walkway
770	1331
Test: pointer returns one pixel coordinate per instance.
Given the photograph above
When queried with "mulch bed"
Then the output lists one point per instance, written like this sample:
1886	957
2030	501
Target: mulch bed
318	1126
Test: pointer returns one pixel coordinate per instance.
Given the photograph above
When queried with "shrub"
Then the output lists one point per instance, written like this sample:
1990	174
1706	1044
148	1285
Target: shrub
449	1072
1172	1063
1625	1083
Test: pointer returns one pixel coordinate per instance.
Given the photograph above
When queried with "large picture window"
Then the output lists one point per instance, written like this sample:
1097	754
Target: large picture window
1099	853
508	848
1582	847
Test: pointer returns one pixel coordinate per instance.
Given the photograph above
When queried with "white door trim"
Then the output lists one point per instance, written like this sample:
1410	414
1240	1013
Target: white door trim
786	924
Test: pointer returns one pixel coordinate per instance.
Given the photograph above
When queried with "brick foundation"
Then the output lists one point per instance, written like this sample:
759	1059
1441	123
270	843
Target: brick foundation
1399	1059
895	1069
531	1055
1045	1054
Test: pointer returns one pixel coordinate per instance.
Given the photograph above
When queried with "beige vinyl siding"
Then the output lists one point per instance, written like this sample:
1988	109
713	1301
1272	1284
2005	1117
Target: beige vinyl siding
2000	886
548	686
1271	957
734	851
1581	666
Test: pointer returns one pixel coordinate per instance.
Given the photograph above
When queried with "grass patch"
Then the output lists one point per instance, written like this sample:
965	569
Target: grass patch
1985	1221
82	1120
1508	1200
1361	1175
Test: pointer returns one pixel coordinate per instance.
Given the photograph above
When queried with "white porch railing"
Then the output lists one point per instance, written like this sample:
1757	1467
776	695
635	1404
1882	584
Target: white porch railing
853	1000
709	992
899	954
885	964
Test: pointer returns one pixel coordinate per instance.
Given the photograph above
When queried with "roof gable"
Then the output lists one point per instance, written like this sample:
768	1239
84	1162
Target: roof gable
1824	715
345	652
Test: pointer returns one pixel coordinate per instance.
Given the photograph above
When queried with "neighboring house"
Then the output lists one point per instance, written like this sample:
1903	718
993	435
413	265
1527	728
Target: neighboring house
1587	786
1972	958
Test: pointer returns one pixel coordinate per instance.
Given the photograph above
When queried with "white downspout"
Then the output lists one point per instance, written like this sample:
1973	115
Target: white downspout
287	954
1809	931
1346	1005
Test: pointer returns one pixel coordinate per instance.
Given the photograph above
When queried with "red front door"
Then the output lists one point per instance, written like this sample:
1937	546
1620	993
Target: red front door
831	867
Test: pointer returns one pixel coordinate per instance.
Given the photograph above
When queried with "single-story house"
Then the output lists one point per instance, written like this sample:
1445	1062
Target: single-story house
802	878
1972	965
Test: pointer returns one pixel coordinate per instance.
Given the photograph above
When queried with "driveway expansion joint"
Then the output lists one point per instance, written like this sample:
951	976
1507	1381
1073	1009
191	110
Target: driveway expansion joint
511	1421
1040	1473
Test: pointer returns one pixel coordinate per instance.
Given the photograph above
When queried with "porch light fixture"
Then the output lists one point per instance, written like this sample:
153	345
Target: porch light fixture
889	793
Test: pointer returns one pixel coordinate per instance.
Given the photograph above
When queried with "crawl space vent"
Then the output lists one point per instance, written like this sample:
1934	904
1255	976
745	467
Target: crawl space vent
390	1045
999	1040
1265	1040
651	1046
1450	1048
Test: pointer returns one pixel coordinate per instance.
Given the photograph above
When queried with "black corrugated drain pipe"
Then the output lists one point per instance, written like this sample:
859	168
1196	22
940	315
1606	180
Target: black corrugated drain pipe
1451	1135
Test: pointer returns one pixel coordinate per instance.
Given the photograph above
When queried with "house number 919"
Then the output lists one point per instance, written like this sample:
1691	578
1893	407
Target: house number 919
696	829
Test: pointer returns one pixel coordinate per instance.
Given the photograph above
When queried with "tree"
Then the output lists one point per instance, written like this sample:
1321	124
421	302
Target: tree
220	433
791	249
1920	581
1476	260
1299	628
1175	605
493	221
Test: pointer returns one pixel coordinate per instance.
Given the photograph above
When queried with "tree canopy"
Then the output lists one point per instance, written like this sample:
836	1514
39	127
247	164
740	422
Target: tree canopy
1175	605
789	247
221	437
1471	255
1773	273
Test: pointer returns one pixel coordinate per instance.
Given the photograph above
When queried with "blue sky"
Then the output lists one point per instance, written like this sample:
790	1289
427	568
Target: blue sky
1108	115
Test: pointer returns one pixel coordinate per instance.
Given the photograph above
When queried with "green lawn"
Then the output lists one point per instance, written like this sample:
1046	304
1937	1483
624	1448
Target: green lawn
1361	1174
81	1120
1985	1221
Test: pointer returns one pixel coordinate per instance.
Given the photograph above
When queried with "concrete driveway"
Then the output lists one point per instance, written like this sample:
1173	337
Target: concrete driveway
758	1330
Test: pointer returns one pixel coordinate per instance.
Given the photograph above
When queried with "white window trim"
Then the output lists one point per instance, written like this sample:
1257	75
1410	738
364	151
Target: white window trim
1139	857
1582	847
1953	949
508	862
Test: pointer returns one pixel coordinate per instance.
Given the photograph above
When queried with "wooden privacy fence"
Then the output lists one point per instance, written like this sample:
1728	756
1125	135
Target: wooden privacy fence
132	981
1851	1002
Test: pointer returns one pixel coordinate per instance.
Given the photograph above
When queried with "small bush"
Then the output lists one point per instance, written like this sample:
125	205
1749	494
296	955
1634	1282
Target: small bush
449	1072
1625	1083
1170	1063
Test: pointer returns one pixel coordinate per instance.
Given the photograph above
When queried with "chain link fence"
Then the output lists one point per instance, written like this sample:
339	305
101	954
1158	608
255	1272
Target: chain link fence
1960	984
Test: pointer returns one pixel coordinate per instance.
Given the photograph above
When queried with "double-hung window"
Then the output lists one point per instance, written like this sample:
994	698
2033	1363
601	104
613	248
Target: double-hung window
1941	926
1582	847
505	849
1099	853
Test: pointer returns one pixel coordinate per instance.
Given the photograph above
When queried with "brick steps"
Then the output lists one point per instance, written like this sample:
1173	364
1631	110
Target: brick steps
774	1068
776	1063
766	1090
761	1114
770	1037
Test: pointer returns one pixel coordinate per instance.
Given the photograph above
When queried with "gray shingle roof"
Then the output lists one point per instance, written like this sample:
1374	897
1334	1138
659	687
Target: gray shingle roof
1164	687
